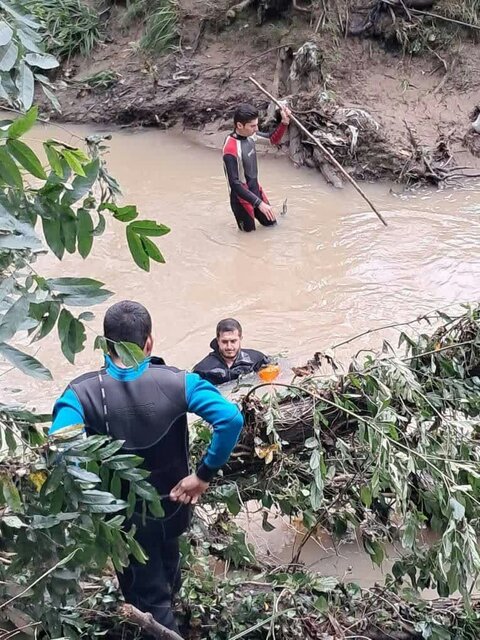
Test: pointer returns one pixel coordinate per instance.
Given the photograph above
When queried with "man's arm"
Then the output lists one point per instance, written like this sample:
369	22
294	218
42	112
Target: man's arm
231	169
262	361
276	136
227	422
272	138
67	412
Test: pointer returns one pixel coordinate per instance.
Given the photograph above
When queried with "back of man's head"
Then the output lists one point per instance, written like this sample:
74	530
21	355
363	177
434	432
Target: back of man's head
244	113
229	324
127	321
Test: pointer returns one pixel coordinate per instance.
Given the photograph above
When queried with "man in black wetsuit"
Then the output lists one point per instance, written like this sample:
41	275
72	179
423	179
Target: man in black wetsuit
247	198
228	361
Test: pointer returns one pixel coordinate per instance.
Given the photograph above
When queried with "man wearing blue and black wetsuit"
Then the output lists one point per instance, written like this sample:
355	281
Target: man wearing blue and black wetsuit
147	407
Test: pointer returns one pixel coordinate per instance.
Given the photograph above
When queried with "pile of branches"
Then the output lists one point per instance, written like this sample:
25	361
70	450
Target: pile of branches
381	451
351	134
285	603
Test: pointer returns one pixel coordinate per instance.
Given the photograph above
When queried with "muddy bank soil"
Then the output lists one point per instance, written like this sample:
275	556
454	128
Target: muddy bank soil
424	101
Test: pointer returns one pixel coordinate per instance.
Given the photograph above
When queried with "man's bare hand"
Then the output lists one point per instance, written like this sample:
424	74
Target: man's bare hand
267	210
285	113
188	490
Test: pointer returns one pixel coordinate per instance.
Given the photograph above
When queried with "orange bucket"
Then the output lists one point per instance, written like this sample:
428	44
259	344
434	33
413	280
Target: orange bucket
269	373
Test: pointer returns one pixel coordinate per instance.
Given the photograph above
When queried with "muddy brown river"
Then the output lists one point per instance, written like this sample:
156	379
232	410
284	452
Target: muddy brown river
329	270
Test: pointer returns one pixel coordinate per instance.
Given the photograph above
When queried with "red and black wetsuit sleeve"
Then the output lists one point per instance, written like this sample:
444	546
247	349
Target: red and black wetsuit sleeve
276	136
237	187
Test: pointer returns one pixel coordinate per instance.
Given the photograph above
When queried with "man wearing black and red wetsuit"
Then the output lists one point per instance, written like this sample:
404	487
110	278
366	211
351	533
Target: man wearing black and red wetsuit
247	198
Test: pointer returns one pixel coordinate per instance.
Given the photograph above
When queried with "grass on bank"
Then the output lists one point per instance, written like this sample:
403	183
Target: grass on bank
70	26
160	23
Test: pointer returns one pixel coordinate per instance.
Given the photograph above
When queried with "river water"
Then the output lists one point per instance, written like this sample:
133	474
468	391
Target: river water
329	270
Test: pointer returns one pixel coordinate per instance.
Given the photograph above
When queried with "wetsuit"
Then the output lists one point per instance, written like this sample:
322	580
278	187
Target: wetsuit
240	163
214	368
145	407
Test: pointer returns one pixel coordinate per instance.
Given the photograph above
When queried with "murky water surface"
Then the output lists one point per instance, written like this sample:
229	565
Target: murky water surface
327	271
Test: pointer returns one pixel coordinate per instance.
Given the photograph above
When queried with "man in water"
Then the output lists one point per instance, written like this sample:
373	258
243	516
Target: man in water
146	407
247	198
228	360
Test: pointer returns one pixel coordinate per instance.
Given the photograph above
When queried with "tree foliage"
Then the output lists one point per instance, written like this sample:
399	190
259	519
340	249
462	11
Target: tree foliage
385	451
63	504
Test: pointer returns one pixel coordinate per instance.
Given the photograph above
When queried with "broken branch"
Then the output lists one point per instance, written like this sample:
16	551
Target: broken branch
148	623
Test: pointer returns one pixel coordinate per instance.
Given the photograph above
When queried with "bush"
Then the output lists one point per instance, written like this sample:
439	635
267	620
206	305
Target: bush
161	20
70	26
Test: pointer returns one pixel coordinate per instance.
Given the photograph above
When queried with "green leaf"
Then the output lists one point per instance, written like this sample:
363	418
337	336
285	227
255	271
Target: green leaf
84	232
52	232
52	97
23	124
266	526
14	317
19	17
81	185
72	335
27	158
86	298
25	363
54	159
366	496
68	230
316	496
9	172
123	461
152	250
136	249
64	322
156	509
113	507
101	343
25	85
41	60
458	510
137	551
6	33
29	40
149	228
116	485
72	285
315	459
11	494
124	214
129	353
82	475
13	522
73	162
110	449
8	56
100	228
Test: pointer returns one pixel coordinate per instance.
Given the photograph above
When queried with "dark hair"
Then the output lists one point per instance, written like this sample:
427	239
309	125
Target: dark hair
127	321
229	324
244	113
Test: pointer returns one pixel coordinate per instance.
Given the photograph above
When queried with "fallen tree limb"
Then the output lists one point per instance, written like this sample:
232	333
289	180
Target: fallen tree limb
325	152
437	16
147	622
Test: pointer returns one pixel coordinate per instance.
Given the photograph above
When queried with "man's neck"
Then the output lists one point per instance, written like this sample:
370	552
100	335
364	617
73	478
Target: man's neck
118	362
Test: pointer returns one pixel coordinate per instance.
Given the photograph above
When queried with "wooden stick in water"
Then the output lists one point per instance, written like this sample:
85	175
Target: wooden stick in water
325	151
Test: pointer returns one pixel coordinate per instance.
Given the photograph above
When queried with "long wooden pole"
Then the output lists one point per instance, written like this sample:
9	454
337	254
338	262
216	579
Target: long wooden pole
325	151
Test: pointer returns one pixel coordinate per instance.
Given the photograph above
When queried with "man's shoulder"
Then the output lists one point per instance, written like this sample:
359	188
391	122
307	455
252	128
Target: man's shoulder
230	146
85	377
253	355
206	363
